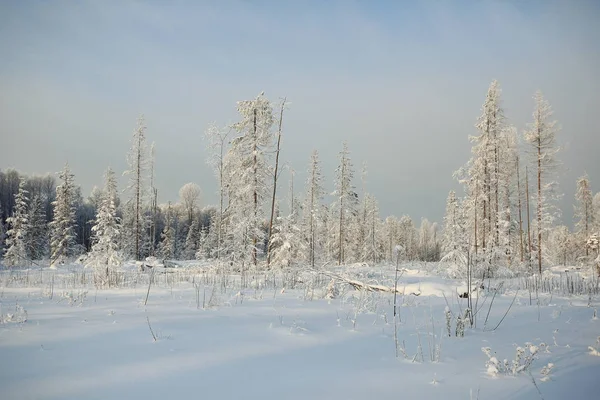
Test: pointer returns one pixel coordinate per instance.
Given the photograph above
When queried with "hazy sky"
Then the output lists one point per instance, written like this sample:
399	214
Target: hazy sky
403	82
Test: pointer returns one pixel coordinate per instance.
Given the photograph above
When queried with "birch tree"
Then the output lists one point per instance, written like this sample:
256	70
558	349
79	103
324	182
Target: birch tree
541	138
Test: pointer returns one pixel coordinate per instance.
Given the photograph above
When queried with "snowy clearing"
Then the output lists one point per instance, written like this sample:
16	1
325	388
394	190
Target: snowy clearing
60	338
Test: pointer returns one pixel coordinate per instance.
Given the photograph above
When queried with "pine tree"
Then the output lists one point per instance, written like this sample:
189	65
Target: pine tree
106	255
584	212
16	249
37	231
541	137
63	225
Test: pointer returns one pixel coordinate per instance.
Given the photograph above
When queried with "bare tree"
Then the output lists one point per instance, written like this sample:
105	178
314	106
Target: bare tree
189	195
541	137
275	179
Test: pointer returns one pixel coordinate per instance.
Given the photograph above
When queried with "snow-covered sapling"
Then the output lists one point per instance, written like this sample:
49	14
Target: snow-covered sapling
595	351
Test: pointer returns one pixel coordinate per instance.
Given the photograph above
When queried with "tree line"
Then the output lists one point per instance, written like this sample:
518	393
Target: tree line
508	213
247	229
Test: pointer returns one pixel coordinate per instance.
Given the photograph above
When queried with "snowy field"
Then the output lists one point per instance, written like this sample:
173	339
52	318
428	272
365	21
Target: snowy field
203	335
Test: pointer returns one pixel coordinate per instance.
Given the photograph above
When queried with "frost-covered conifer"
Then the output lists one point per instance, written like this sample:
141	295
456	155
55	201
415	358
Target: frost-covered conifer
63	225
246	171
584	211
106	252
16	249
192	240
166	247
37	231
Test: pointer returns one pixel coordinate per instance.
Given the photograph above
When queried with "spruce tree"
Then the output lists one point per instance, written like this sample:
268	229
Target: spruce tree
16	249
63	225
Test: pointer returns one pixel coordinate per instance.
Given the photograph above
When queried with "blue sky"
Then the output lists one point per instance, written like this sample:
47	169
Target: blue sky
402	82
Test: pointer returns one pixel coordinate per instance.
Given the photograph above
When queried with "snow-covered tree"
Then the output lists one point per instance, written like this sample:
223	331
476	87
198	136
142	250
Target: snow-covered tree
166	247
136	222
285	242
313	210
481	177
541	138
246	173
2	232
189	196
346	200
217	139
62	242
192	239
454	241
16	249
372	247
37	229
106	254
596	213
584	212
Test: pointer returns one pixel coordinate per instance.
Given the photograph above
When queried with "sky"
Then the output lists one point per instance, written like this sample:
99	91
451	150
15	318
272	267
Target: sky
402	82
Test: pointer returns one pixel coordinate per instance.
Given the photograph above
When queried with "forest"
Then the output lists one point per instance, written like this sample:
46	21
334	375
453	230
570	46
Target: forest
506	220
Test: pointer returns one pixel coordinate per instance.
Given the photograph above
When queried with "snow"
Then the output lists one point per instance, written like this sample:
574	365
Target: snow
263	341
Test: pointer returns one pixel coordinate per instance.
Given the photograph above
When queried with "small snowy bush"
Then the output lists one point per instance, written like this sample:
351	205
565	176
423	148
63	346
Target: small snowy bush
595	351
524	357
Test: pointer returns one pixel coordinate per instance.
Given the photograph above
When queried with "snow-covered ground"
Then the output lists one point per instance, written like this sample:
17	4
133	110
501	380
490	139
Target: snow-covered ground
63	339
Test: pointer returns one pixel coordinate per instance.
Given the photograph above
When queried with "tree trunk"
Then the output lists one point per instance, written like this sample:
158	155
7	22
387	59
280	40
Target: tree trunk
255	195
274	183
539	202
520	213
528	217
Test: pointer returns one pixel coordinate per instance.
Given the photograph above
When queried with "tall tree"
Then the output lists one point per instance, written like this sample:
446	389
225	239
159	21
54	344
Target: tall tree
16	252
346	198
482	177
541	137
275	177
137	160
313	210
217	139
248	171
584	211
106	255
63	225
